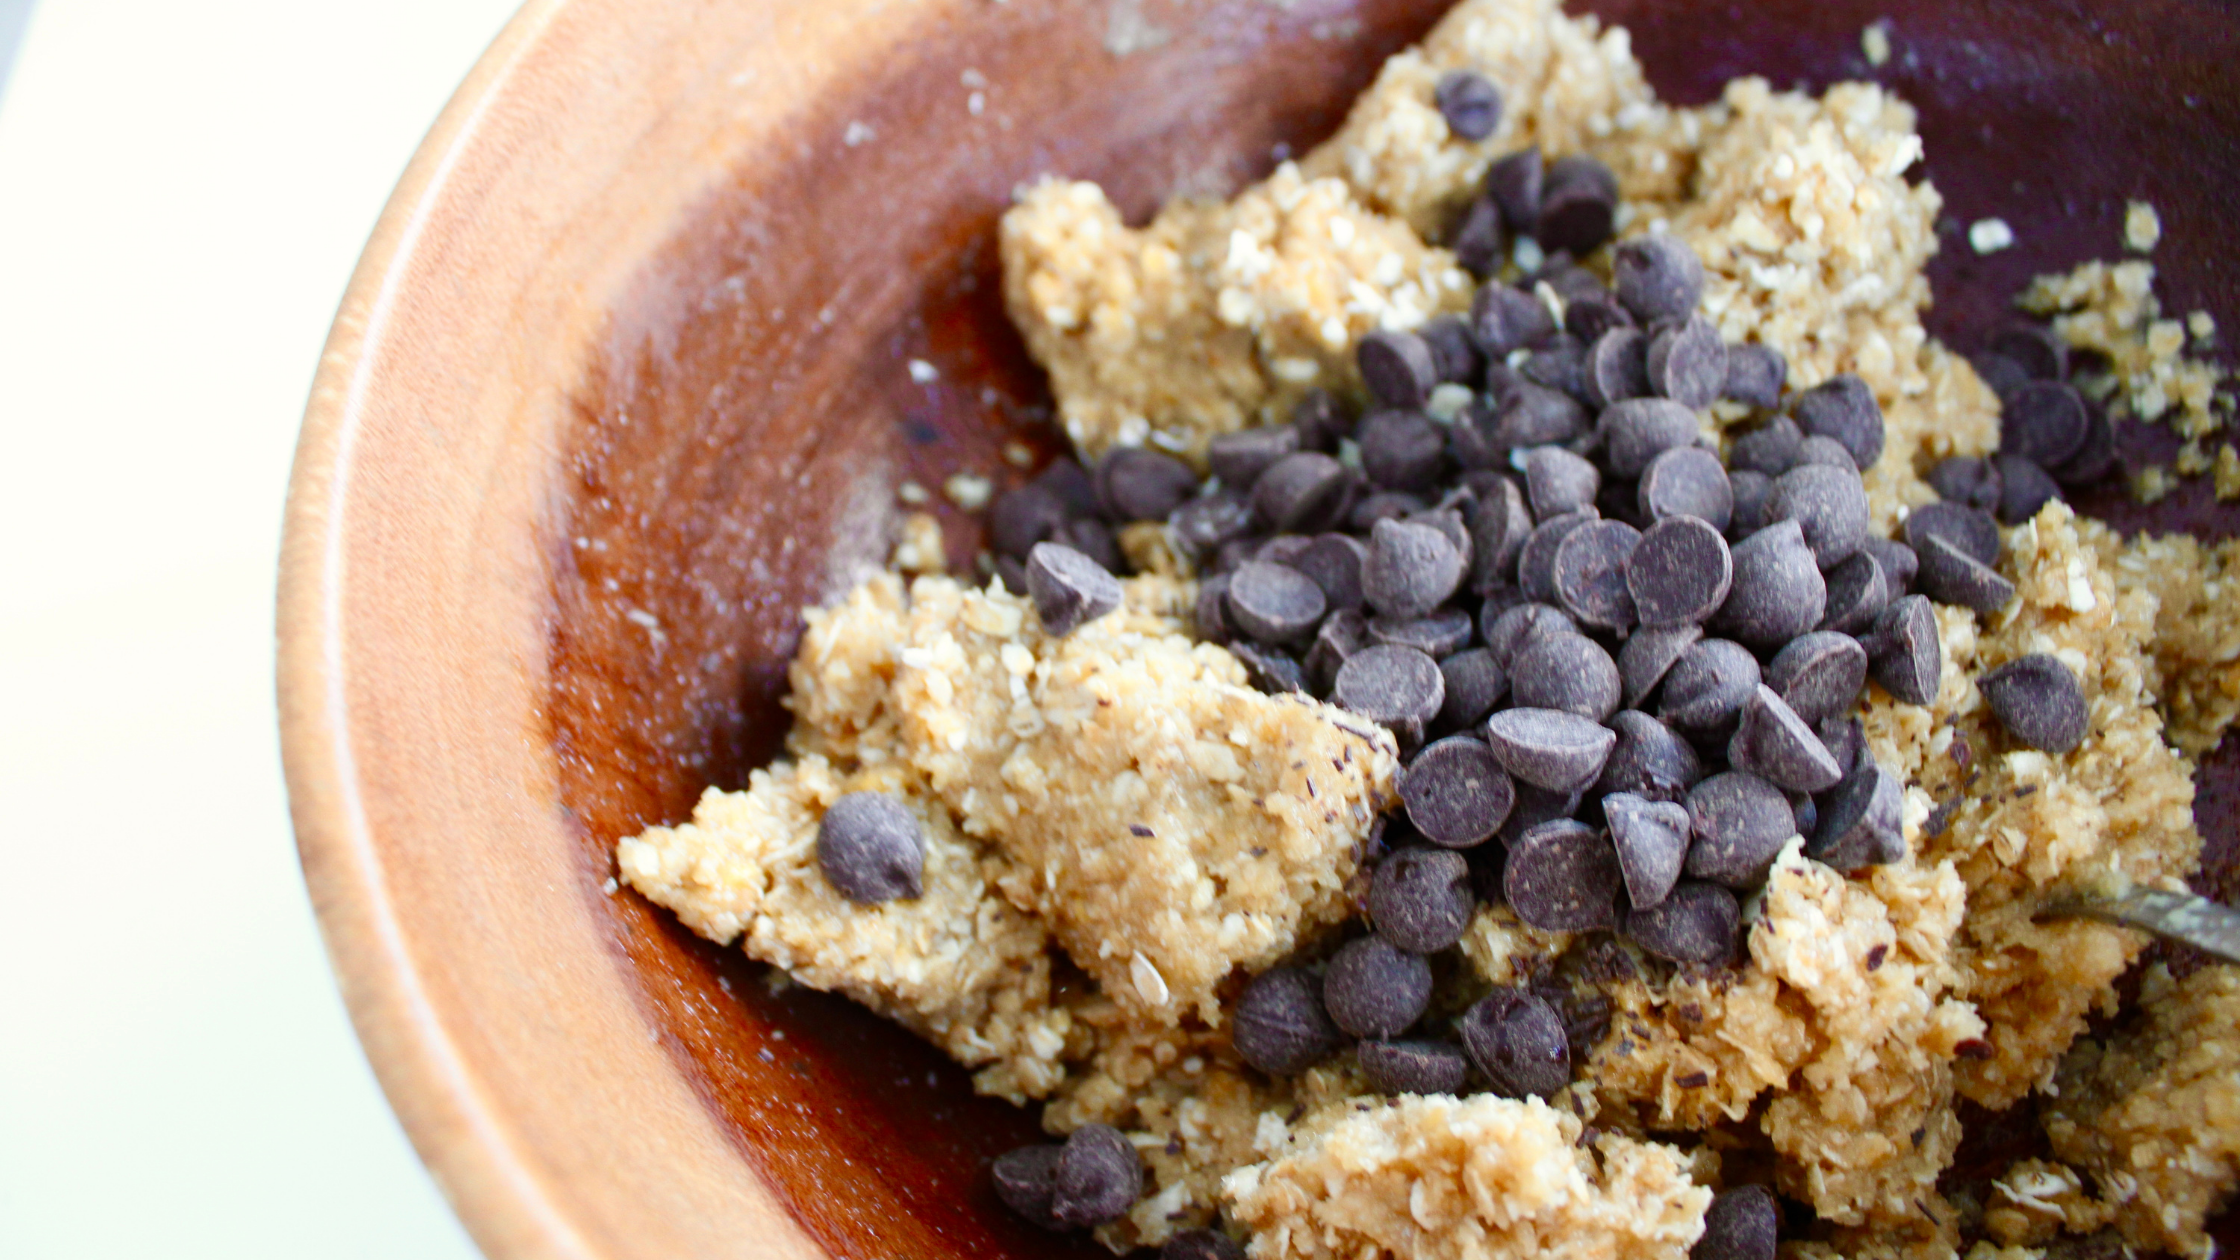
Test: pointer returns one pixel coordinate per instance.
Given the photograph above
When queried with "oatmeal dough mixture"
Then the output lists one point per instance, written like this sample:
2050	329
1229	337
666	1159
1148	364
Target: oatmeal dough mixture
1123	797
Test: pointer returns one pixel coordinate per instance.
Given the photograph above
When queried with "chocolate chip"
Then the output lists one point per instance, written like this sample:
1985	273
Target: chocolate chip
1772	742
1420	899
1843	408
1904	652
1375	990
1680	573
1024	1178
1342	634
1819	676
1755	374
2000	374
1437	635
1023	517
1514	184
1590	576
1861	820
1616	367
1740	822
1777	592
1397	688
1410	569
1696	923
2036	349
2038	700
1402	450
1201	1244
1638	430
1966	479
1549	748
871	849
1558	482
1687	481
1475	683
1499	522
1469	102
1389	505
1829	506
1532	415
1412	1067
1825	451
1478	240
2023	488
1321	420
1453	349
1301	493
1559	363
1590	316
1274	603
1457	795
1771	448
1846	739
1651	839
1649	653
1709	684
1210	614
1279	1024
1688	364
1578	203
1139	485
1535	805
1333	563
1268	670
1567	672
1742	1224
1806	810
1519	625
1518	1041
1239	458
1563	876
1970	529
1898	562
2095	458
1951	576
1200	526
1503	319
1281	549
2043	421
1858	591
1649	760
1657	276
1572	282
1099	1177
1397	367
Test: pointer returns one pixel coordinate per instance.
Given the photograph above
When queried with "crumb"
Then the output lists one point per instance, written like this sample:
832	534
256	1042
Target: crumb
1874	41
912	493
924	373
1018	454
969	491
858	133
1989	236
920	548
2142	227
2228	474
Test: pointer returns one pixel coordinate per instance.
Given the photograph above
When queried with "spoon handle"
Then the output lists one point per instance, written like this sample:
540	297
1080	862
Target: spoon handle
2212	928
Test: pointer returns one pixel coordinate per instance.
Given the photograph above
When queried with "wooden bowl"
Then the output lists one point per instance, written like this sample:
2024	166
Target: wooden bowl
620	385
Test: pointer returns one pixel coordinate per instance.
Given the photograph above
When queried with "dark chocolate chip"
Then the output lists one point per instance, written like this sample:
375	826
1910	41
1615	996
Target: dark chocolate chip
1410	569
1453	349
1023	517
1843	408
1688	364
1571	282
1858	591
1742	1224
1755	374
1200	526
1437	635
1825	451
2043	421
1279	1024
1616	367
1397	688
1807	810
1532	415
1565	671
1269	670
1301	493
1778	592
1829	506
1970	529
1388	505
1549	748
871	849
1281	549
1134	484
1657	276
1578	204
1201	1244
1563	876
1478	240
1772	742
1899	564
1638	430
1819	676
1072	484
1274	603
1845	739
1687	481
1708	684
1903	650
1518	1041
1342	634
1210	614
2023	488
2038	701
1951	576
2095	458
1861	821
1740	822
1475	683
1013	575
1967	480
1680	573
2001	374
1024	1178
1321	420
1420	899
1239	458
1535	805
1558	482
1412	1067
1514	184
1536	561
1397	367
1590	316
1649	653
1099	1177
1651	839
1518	625
2037	350
1503	319
1590	575
1402	450
1771	448
1469	102
1696	923
1560	363
1499	522
1649	760
1333	563
1373	989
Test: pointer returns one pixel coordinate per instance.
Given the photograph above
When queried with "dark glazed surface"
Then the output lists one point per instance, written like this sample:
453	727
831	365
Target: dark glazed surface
752	413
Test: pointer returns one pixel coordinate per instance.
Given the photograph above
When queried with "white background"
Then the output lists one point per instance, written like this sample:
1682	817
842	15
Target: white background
184	188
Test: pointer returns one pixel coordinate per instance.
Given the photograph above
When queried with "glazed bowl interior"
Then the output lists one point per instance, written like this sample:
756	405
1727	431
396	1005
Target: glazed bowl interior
624	383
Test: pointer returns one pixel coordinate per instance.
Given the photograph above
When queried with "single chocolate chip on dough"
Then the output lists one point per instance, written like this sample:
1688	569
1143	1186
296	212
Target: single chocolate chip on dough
1742	1224
1843	408
1279	1024
1616	367
1755	375
1519	625
1239	458
1688	364
1457	795
2039	701
1649	653
1410	569
1778	592
1558	482
1397	688
1680	573
1514	184
1201	1244
1412	1067
1274	603
1903	651
1696	923
1772	742
1301	493
871	848
1709	684
1518	1041
1437	635
1590	575
1134	484
1858	591
1398	368
1568	672
1563	876
1648	760
1024	1178
1099	1177
1270	671
1740	822
1373	989
1475	683
1068	588
1657	277
1970	529
1819	675
1402	450
1469	102
2043	421
1861	820
1504	318
1638	430
1548	748
1420	899
1829	506
1968	480
2023	488
1651	839
1771	448
1578	204
1951	576
1687	481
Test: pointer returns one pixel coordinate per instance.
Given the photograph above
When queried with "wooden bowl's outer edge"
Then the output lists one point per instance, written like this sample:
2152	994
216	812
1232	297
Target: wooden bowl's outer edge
512	1202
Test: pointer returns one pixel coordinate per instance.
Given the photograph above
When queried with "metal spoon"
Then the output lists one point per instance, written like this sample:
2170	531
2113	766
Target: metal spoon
2206	925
